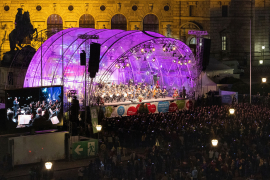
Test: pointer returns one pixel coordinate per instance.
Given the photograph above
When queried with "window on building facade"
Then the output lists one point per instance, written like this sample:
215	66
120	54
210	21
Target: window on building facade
224	42
87	21
119	21
150	23
192	41
54	24
10	78
224	11
191	10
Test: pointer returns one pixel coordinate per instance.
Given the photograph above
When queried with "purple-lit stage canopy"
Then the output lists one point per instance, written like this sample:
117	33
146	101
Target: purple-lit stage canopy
124	55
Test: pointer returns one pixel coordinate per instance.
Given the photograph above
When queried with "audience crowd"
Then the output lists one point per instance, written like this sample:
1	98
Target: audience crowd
178	145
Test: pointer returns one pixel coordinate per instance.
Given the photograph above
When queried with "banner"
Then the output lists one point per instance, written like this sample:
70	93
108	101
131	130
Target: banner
227	97
153	107
94	118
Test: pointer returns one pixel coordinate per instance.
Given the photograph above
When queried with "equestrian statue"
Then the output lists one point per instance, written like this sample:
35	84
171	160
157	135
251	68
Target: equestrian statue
23	28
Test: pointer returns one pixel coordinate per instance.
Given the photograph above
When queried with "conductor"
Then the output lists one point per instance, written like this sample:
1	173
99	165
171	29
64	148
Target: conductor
15	106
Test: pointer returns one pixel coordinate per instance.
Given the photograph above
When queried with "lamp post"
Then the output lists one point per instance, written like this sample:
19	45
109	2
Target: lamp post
263	47
231	111
48	166
98	127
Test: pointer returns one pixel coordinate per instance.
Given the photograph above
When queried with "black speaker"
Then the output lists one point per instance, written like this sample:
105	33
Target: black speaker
155	79
206	52
94	59
83	58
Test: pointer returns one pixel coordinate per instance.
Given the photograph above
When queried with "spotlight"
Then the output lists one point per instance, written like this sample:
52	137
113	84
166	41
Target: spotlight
164	47
264	80
174	48
153	49
154	59
174	61
189	61
142	50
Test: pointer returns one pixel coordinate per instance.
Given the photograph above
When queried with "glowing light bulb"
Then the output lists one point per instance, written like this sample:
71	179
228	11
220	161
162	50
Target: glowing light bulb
154	59
179	62
185	63
127	64
164	48
174	48
174	61
189	61
153	49
142	50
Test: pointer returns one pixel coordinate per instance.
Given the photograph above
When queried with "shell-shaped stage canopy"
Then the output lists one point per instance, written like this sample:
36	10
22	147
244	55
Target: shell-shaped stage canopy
143	57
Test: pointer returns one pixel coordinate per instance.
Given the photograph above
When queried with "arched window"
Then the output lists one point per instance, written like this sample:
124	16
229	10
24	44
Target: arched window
87	21
54	24
192	41
119	21
150	23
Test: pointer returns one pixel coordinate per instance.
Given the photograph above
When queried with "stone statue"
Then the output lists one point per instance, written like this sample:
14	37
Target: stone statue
23	28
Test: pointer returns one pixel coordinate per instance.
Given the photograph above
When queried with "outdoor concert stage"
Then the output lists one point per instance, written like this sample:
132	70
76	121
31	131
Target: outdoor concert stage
163	105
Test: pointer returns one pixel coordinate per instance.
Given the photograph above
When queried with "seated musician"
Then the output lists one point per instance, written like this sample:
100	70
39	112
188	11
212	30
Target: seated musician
164	93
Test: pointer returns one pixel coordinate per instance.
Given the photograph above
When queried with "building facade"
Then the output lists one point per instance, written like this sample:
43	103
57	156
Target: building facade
226	21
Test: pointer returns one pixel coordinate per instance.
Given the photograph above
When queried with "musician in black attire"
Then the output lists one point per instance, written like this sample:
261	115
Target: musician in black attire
15	105
40	121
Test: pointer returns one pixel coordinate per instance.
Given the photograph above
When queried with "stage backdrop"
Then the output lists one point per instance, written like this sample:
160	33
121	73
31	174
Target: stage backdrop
154	107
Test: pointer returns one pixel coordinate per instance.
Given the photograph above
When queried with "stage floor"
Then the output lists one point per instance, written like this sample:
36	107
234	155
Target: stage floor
144	101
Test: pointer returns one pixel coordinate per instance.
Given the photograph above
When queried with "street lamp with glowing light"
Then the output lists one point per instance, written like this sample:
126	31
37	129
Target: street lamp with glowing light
214	142
99	127
48	165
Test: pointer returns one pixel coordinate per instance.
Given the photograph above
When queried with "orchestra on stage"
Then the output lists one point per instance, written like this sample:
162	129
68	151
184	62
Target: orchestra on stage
42	113
121	93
